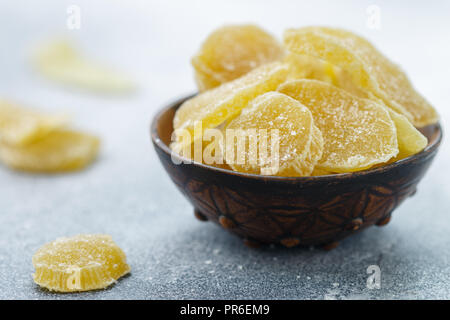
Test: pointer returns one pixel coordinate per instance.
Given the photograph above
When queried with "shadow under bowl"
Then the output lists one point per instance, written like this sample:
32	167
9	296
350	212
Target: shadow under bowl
293	210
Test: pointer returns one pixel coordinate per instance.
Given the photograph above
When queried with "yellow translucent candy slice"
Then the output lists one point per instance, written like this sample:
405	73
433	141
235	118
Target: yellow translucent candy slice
20	126
410	140
358	133
61	62
300	142
320	172
232	51
368	68
315	152
207	151
217	105
204	81
79	263
58	151
309	67
206	146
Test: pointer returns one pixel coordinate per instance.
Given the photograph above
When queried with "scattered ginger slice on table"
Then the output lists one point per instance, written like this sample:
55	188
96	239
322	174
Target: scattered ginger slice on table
79	263
20	126
59	151
60	61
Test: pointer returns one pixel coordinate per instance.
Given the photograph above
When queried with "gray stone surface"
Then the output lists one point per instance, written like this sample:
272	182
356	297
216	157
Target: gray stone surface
127	194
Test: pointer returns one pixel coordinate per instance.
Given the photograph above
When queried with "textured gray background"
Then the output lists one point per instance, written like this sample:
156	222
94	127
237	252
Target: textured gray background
127	194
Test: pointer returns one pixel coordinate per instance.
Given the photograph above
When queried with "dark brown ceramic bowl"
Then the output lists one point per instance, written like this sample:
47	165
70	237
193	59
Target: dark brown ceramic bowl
293	211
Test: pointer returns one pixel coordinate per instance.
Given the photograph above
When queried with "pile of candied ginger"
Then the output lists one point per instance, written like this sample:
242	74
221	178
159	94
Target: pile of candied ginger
337	103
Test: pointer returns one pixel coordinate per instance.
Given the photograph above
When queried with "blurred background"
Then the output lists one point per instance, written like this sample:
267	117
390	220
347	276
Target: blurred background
126	193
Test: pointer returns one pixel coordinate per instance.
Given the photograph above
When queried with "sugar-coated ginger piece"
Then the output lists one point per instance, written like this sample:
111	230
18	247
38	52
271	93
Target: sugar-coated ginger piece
59	151
79	263
20	126
358	133
369	69
59	61
213	107
232	51
299	145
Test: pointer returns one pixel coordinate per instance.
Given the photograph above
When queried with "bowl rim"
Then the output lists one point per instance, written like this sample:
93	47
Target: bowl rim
430	148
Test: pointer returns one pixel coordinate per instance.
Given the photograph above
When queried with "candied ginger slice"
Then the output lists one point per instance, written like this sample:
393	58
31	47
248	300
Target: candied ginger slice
232	51
220	104
61	62
320	172
296	131
358	133
59	151
309	67
369	69
410	140
208	148
315	153
79	263
20	126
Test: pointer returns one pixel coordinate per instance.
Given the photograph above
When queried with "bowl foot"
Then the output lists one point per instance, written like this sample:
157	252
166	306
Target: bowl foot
253	244
200	216
330	246
290	242
384	221
226	222
355	224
